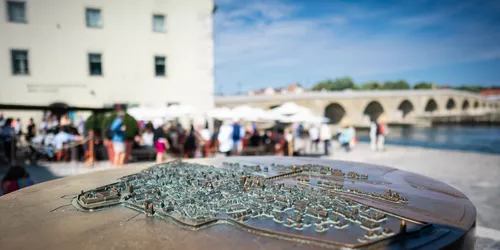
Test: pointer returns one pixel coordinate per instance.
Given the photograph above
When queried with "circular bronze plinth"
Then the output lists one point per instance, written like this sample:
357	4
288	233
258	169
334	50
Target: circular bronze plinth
240	203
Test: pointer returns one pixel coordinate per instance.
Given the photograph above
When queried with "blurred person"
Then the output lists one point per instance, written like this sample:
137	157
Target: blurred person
238	134
147	137
373	135
9	140
81	125
18	127
255	138
314	136
225	138
346	137
288	147
65	120
161	142
2	120
15	179
267	141
30	130
300	130
118	128
295	128
382	132
205	133
255	128
62	138
53	123
354	140
44	126
193	138
279	143
47	115
325	136
206	139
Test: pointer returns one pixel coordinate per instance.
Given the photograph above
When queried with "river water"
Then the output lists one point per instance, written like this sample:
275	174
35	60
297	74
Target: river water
485	139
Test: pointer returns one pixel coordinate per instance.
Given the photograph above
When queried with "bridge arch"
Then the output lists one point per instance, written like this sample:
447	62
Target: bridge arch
374	109
465	105
335	112
406	107
431	106
476	104
450	104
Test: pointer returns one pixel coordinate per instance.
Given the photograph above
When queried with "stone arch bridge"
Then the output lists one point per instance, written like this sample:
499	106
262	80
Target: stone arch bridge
412	107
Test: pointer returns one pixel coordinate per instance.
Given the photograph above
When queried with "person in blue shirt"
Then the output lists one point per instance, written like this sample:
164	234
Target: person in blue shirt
237	135
347	136
118	128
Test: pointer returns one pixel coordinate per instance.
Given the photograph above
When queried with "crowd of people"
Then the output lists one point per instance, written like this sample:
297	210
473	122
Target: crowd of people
63	139
53	133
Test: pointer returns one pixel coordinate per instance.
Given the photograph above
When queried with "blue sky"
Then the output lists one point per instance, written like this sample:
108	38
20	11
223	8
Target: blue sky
261	43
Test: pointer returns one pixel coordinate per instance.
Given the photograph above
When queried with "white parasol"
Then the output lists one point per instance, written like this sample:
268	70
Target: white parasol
289	108
147	113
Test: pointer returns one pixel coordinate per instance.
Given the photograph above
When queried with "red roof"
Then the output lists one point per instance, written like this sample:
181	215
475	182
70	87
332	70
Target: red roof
490	92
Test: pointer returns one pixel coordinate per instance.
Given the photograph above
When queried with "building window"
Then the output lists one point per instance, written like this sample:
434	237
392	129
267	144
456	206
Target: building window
95	65
93	17
158	23
16	12
160	66
19	62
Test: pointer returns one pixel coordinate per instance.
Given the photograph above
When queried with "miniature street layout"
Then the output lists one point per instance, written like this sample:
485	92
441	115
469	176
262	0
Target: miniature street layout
306	203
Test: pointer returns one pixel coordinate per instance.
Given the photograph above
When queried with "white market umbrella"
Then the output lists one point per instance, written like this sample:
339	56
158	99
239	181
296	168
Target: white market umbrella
246	113
266	115
177	111
305	116
222	113
289	108
147	113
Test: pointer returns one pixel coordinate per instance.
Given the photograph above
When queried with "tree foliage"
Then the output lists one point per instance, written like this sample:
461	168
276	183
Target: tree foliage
371	86
336	85
344	83
94	122
423	85
473	88
401	84
132	128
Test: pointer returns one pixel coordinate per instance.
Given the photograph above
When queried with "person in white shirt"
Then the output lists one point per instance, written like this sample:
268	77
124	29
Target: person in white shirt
18	126
225	138
147	138
314	136
325	135
205	133
373	135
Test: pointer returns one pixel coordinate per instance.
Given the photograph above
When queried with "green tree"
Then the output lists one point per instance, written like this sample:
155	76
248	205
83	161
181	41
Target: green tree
401	84
132	128
94	122
423	85
472	88
371	86
336	85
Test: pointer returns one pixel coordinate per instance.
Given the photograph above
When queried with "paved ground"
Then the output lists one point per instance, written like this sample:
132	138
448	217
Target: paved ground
476	175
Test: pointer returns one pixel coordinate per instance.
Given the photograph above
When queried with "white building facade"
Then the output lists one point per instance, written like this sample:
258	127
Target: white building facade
95	53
